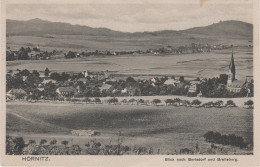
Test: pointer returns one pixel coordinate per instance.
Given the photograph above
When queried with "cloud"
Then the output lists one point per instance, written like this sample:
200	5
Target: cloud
133	17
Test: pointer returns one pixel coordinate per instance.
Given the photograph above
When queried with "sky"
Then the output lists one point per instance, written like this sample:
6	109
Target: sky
133	15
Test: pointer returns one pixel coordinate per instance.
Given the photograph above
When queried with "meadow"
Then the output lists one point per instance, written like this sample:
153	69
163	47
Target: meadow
209	64
117	43
167	128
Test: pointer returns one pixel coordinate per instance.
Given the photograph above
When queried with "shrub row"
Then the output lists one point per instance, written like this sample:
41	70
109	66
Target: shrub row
176	101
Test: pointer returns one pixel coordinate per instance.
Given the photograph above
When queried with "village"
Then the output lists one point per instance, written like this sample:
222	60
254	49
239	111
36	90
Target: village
81	86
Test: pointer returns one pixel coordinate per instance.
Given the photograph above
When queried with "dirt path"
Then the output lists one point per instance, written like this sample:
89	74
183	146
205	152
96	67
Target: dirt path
38	122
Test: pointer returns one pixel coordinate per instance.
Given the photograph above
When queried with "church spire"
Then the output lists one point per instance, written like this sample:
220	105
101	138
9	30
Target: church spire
232	68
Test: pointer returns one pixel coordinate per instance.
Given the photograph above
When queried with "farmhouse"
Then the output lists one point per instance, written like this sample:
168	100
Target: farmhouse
171	82
97	75
65	91
34	55
16	93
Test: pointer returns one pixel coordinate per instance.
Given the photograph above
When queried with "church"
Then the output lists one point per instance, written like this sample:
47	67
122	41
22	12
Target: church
234	85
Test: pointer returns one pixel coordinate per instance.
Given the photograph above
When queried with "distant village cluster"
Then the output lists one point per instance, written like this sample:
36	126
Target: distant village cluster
37	54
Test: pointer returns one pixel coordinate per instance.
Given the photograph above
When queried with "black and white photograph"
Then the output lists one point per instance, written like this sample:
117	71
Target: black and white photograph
104	78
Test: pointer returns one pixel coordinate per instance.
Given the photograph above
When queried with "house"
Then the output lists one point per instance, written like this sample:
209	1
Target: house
42	74
24	78
133	91
199	94
105	87
34	55
85	73
84	80
40	89
193	87
124	90
47	81
97	75
111	80
171	82
66	91
153	80
236	85
16	93
250	79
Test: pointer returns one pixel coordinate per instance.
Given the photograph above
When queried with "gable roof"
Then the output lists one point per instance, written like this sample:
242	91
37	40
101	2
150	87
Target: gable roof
83	79
16	91
171	82
48	80
237	83
66	89
194	82
105	87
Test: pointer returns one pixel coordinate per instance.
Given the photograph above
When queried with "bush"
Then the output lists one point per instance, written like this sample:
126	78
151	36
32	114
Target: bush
169	101
112	100
132	100
249	103
65	142
141	101
61	99
31	142
218	103
156	101
53	142
196	102
124	101
43	141
233	140
97	100
230	103
75	100
177	100
14	146
186	102
87	100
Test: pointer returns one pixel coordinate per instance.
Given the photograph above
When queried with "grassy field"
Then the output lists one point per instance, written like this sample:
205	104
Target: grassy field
193	65
84	42
151	126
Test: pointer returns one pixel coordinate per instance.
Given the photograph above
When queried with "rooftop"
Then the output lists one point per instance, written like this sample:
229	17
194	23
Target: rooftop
237	83
66	89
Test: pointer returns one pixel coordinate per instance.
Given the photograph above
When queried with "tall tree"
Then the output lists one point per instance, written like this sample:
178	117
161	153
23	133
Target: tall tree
46	72
181	78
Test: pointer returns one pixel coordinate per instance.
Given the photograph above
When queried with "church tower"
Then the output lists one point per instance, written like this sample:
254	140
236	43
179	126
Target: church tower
231	70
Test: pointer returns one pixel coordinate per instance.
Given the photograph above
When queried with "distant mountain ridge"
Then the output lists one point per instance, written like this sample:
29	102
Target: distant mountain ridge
37	26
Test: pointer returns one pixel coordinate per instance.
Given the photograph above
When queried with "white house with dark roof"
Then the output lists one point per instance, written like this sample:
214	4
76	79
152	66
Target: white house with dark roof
66	91
171	82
